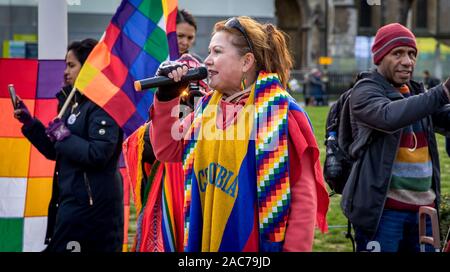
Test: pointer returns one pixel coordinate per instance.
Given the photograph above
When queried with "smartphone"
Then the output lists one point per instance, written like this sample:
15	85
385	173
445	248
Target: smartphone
12	93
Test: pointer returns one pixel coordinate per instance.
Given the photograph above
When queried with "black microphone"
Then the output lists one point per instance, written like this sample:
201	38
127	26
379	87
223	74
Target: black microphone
158	81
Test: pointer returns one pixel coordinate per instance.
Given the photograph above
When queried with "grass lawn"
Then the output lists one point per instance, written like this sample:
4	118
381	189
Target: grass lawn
334	240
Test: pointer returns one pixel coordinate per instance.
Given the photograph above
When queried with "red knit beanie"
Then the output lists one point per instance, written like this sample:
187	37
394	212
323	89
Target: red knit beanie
389	37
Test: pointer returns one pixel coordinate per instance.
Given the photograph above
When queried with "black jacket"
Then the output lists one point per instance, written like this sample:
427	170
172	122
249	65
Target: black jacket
87	199
378	113
447	145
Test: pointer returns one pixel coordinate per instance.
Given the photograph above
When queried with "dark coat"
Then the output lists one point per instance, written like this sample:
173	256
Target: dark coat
316	86
447	145
379	112
87	199
431	82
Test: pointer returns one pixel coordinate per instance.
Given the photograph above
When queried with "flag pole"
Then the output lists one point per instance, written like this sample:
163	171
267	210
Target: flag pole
66	104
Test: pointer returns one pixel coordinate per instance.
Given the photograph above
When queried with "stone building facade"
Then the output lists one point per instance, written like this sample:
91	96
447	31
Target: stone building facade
310	23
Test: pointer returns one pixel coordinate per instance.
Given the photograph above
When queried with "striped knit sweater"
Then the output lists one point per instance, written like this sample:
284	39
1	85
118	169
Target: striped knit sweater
412	171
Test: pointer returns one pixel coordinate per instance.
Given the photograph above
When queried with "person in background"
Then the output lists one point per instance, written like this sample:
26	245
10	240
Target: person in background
152	178
307	90
397	168
230	193
86	208
186	33
429	80
316	87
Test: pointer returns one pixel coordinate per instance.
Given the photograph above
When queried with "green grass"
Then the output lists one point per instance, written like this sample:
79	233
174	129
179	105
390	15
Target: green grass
334	240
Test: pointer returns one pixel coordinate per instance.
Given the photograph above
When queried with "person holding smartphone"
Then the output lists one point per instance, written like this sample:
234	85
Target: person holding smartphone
86	208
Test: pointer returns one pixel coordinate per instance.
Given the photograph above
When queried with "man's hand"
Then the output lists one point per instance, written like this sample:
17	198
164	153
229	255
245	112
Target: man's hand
57	131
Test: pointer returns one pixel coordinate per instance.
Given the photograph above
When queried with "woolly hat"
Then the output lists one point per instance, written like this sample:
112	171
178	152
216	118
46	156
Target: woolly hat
389	37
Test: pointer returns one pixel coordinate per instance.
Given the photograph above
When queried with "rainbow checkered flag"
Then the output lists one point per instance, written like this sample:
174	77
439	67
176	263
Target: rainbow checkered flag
25	174
140	36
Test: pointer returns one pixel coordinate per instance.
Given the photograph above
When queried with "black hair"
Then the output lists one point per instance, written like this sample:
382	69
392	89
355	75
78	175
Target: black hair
184	16
82	49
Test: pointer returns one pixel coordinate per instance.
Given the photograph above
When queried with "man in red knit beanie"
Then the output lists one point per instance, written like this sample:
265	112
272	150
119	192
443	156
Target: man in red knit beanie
389	37
397	166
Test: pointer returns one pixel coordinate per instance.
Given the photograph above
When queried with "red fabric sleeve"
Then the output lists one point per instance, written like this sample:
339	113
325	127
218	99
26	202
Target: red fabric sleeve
302	216
309	198
166	133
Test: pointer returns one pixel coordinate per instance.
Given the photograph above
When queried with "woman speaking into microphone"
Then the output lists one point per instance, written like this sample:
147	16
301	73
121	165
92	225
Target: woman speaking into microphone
253	181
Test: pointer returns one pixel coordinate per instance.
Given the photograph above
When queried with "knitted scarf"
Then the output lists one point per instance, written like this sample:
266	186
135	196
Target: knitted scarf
271	103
